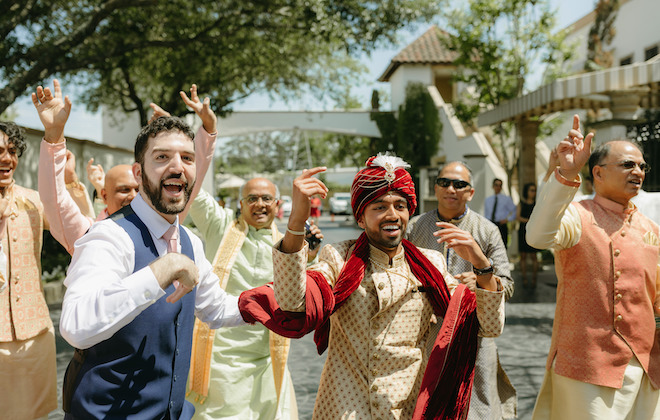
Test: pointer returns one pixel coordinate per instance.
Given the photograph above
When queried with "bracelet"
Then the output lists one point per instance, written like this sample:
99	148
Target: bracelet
73	184
296	232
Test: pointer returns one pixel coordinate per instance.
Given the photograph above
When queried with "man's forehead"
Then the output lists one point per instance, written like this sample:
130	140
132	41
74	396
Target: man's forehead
258	186
624	149
160	141
391	196
457	170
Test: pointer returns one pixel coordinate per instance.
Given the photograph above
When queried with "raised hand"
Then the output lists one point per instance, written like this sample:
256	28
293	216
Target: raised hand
304	187
202	109
96	176
53	111
70	174
574	151
158	112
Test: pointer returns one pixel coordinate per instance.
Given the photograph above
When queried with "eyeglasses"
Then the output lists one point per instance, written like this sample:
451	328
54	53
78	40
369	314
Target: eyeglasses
630	164
458	184
254	199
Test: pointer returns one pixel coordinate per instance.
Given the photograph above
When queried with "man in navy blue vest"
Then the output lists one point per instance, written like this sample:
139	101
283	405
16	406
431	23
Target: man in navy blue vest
128	308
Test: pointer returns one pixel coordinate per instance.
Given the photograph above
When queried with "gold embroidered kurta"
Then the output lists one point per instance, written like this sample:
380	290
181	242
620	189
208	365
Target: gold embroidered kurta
380	338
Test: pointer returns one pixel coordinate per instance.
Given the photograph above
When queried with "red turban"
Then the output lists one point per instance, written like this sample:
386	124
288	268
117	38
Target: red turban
383	173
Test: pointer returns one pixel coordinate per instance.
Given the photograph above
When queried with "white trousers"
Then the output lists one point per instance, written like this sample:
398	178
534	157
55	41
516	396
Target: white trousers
562	398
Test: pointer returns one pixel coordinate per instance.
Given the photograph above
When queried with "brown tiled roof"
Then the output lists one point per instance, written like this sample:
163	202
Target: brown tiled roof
427	49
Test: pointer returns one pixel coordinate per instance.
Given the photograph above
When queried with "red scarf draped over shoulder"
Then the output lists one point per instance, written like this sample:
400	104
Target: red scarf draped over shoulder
447	381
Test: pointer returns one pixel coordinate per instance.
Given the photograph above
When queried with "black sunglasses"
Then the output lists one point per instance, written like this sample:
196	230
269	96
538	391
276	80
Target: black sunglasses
629	164
458	184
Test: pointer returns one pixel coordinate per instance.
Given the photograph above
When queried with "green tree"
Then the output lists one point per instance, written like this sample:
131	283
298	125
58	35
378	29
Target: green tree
418	129
499	43
602	33
131	52
415	134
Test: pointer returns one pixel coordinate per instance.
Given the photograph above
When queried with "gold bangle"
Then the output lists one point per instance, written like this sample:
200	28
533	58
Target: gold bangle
296	232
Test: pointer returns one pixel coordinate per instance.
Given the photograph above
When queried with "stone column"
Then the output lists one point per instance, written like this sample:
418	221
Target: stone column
528	131
480	182
624	103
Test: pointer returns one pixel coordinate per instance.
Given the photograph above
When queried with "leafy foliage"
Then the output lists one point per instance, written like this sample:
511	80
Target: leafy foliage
499	43
419	127
131	52
601	34
415	134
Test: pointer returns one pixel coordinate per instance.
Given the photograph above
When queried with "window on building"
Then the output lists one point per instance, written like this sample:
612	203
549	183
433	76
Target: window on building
626	61
650	52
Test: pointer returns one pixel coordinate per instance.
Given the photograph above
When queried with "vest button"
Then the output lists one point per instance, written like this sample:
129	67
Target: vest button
617	252
381	286
617	274
17	278
13	216
176	352
375	404
618	296
174	378
375	342
171	404
623	233
374	388
619	318
374	371
376	356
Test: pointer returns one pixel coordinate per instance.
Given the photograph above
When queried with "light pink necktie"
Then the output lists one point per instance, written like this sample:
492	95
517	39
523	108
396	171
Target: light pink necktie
172	238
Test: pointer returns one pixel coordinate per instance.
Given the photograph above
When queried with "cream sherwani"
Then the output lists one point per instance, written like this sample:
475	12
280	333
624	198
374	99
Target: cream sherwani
603	361
380	338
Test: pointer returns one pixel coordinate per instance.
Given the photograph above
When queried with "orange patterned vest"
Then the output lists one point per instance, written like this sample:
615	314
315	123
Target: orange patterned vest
605	296
23	309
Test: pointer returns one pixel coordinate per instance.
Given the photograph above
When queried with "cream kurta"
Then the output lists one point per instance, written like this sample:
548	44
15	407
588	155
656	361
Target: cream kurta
379	339
242	384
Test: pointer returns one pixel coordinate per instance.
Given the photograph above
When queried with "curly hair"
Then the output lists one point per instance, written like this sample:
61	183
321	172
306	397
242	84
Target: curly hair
15	136
158	125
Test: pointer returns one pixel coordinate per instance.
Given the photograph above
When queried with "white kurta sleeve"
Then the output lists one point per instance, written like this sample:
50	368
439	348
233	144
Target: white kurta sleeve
555	223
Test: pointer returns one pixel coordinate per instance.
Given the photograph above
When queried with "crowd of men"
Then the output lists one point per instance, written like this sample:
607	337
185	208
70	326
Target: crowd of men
168	327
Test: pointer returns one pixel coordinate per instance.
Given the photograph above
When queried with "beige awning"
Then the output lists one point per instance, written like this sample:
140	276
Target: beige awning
585	91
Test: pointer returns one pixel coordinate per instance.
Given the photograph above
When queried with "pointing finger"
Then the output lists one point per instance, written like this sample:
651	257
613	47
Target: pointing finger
311	172
576	122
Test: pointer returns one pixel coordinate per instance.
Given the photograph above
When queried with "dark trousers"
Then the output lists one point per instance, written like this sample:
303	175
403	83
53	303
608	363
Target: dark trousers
504	231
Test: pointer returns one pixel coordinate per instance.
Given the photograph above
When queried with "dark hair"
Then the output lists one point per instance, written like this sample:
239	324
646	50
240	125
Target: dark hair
457	162
600	153
526	188
15	136
157	126
497	179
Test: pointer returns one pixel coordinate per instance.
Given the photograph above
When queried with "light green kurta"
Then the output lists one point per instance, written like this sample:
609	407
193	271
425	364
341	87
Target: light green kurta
242	384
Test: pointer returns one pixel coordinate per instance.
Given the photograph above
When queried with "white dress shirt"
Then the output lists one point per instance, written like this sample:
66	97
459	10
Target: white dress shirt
104	294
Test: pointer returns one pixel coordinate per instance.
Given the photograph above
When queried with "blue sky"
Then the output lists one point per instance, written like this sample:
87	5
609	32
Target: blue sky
85	125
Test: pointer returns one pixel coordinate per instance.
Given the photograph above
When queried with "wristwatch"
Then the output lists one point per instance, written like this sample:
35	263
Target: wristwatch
485	270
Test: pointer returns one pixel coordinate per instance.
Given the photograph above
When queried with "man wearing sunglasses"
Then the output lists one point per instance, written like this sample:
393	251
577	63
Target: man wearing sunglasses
493	395
604	359
499	209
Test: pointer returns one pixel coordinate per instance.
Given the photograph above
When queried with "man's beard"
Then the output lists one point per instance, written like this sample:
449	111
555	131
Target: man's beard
155	194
